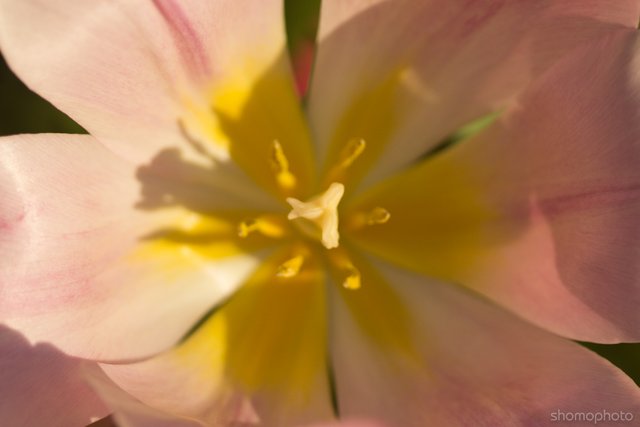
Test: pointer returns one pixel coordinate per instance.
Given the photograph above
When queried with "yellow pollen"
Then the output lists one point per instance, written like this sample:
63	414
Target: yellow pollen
263	226
351	152
291	267
322	211
378	216
280	166
353	279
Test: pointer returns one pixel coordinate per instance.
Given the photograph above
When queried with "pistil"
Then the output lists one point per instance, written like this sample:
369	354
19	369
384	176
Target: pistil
321	212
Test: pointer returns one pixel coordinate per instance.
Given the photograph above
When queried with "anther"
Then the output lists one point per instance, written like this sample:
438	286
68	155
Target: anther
353	279
291	267
343	267
363	219
263	225
351	152
247	227
378	216
280	166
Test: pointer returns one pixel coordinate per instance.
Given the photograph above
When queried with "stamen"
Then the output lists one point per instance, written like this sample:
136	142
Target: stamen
343	268
247	227
321	211
263	225
351	152
378	216
362	219
291	267
353	280
280	166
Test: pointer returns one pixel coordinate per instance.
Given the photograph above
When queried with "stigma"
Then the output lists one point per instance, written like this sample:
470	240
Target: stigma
321	213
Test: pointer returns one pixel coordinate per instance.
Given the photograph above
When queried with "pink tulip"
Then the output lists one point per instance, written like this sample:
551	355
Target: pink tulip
216	254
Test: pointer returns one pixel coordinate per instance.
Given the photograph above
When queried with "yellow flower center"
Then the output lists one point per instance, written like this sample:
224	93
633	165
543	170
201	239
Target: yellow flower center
317	218
313	236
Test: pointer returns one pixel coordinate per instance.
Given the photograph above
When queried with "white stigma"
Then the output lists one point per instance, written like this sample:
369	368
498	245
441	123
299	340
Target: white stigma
322	211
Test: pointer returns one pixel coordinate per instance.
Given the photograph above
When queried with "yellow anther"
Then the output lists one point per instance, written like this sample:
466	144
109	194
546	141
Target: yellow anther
280	166
264	226
351	152
290	267
378	216
368	218
321	212
343	268
247	227
353	279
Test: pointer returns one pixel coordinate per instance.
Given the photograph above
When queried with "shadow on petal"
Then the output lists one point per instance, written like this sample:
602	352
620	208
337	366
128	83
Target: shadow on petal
42	386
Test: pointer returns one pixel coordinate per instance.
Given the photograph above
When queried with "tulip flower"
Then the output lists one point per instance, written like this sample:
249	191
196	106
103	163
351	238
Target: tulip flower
217	252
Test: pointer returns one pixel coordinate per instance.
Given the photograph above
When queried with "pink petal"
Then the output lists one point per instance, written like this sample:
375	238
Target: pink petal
40	386
565	169
130	412
406	75
351	423
123	69
260	359
540	212
472	363
72	271
103	422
